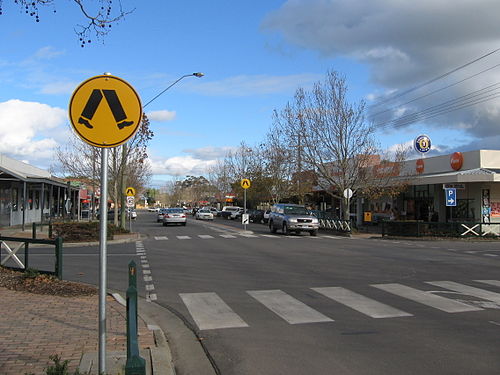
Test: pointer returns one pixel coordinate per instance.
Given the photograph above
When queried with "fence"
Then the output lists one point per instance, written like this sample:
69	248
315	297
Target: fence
328	221
12	253
436	229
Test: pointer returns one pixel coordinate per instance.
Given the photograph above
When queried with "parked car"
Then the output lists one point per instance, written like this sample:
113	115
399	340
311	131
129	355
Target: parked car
152	209
255	216
159	217
174	216
204	214
292	217
228	210
236	214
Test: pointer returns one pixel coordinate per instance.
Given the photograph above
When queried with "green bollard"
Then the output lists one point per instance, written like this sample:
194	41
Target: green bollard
135	365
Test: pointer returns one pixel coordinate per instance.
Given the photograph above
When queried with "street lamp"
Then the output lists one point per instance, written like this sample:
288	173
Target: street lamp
197	74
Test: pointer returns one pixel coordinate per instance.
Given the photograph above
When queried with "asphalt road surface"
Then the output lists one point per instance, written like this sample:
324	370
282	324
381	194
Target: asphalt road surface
274	304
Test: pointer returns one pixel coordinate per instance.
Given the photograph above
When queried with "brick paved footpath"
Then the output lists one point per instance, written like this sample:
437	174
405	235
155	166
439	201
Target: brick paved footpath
34	326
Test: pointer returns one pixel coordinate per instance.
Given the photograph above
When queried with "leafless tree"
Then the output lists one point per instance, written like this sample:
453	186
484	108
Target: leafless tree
332	138
98	16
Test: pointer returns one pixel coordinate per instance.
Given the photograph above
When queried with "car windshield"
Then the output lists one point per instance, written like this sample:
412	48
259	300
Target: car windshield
296	210
175	211
205	210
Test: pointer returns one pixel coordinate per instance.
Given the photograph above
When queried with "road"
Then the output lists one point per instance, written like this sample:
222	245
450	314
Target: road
274	304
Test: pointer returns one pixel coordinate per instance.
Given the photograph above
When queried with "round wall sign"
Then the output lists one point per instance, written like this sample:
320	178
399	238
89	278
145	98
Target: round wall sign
422	143
420	166
456	160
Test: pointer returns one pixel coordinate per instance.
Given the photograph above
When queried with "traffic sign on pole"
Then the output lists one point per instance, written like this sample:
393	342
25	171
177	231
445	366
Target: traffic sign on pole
130	202
130	192
245	183
451	197
105	111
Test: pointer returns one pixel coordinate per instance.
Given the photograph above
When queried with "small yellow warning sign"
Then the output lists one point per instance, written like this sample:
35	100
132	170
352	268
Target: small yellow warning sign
245	183
130	192
105	111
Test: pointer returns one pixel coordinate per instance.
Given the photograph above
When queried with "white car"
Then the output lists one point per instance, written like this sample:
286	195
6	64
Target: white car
174	216
204	214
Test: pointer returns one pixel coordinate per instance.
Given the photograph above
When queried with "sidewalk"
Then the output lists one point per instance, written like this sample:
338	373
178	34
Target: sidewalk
34	327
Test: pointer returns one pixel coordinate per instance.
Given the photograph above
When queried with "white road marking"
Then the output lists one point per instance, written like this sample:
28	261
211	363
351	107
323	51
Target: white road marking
205	236
183	237
426	298
468	290
161	238
145	265
361	303
147	278
146	272
153	297
290	309
270	236
227	236
489	282
247	235
334	237
209	311
150	287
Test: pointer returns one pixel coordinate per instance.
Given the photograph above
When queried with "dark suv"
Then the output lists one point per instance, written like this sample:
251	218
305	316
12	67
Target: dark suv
292	217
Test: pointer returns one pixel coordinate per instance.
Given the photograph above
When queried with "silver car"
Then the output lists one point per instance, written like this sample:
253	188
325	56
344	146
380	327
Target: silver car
292	217
204	214
174	216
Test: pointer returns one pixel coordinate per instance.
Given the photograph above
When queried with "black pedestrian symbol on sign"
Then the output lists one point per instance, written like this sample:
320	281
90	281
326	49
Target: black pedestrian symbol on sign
113	103
245	183
130	192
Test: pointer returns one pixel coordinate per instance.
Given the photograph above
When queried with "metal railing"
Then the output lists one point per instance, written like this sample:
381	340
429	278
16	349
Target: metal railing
328	221
12	253
437	229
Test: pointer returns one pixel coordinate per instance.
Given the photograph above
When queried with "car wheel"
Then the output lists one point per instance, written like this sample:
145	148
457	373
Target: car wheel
285	229
313	233
164	224
271	227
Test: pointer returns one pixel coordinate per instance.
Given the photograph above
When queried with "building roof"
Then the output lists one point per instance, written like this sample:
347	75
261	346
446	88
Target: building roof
14	169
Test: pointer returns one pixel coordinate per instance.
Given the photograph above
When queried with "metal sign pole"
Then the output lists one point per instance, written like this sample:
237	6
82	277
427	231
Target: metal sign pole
245	208
102	259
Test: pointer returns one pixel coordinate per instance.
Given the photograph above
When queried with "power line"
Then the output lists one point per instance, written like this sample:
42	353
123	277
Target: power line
413	117
435	79
436	91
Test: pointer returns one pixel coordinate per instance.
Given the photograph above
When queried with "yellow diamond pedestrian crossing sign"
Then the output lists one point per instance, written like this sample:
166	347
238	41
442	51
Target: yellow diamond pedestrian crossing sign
105	111
245	183
130	192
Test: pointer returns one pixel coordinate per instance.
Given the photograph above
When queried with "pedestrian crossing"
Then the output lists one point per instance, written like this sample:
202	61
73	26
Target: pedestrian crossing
244	235
209	311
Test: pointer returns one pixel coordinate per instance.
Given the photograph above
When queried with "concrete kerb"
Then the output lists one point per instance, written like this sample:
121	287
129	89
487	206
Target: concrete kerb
158	359
176	342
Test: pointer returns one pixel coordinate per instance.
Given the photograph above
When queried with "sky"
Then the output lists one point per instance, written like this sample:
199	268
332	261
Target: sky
427	67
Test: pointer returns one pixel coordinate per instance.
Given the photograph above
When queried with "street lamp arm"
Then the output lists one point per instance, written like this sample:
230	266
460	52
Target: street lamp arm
197	74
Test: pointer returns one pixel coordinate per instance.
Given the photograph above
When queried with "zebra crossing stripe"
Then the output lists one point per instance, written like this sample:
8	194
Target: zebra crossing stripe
183	237
247	235
290	309
227	236
209	311
161	238
335	237
426	298
361	303
205	236
489	282
270	236
468	290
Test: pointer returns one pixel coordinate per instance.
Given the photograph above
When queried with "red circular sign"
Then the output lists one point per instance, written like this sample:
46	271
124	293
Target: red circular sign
420	166
456	160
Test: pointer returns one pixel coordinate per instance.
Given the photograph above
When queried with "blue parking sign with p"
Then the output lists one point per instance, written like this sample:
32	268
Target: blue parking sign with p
451	197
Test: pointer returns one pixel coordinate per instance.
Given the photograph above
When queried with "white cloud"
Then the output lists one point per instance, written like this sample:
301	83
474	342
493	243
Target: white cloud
47	53
162	116
58	87
404	44
180	166
20	126
210	153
